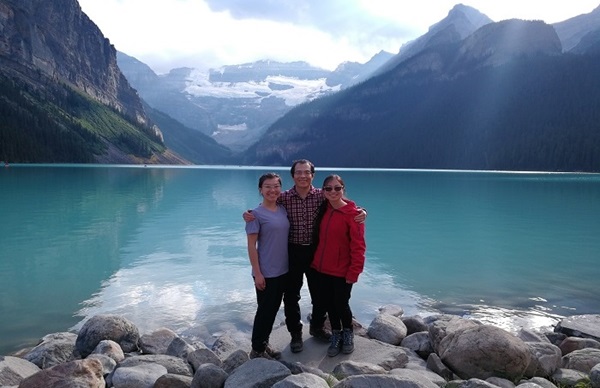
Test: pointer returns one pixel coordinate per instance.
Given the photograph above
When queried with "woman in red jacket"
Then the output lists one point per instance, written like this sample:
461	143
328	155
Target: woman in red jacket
338	260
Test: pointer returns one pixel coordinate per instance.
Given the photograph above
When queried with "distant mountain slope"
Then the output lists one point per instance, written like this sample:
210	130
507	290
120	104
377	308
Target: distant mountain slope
572	30
189	143
474	105
235	104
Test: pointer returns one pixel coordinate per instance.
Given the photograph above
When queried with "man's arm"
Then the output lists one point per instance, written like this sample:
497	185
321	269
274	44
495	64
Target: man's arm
248	216
361	216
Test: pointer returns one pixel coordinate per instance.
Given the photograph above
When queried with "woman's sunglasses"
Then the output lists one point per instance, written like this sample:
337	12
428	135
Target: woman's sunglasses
336	188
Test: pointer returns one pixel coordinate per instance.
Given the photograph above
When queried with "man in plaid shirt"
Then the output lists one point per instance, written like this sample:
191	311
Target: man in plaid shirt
302	203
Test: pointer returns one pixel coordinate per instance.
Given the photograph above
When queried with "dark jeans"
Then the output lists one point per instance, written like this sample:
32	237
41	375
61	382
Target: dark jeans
333	295
300	258
269	301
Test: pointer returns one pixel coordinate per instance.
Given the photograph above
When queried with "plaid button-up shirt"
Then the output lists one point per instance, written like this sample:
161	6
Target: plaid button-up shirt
301	213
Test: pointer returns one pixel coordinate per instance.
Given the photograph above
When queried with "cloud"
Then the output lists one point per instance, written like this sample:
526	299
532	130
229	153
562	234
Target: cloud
167	34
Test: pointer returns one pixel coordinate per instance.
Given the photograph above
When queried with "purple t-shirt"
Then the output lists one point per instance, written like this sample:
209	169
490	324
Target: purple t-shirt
273	228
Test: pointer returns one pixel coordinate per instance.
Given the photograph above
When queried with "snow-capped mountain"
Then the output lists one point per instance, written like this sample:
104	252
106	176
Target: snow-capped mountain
236	104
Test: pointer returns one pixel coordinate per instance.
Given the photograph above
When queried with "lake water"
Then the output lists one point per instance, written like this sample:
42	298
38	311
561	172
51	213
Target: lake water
165	246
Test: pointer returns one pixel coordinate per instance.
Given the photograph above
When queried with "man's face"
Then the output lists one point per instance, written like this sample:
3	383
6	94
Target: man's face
303	177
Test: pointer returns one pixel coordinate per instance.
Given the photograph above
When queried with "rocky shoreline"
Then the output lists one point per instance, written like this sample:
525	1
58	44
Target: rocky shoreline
393	351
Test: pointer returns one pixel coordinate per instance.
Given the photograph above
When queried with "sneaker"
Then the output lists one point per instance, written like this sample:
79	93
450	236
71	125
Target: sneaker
320	334
263	354
296	345
347	341
336	343
272	352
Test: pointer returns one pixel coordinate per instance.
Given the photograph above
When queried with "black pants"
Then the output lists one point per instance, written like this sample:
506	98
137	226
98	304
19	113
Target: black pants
300	258
333	294
269	301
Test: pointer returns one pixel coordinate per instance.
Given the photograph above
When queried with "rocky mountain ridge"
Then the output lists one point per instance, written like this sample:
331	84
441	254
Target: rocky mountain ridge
504	98
235	104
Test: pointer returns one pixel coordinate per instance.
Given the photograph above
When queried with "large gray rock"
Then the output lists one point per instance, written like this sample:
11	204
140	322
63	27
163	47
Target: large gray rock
234	360
172	364
302	380
444	325
418	375
542	382
78	373
107	327
471	383
545	359
500	382
54	349
414	324
571	344
14	369
387	328
387	381
587	326
209	376
582	360
257	373
419	342
595	376
569	377
108	364
352	368
392	309
485	351
173	381
203	356
229	342
158	341
138	376
110	349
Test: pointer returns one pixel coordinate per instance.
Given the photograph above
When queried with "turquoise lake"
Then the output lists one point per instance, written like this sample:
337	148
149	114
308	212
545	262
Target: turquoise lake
165	246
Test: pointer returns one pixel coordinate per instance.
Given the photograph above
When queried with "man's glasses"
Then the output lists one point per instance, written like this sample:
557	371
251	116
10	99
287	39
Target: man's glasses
302	172
336	188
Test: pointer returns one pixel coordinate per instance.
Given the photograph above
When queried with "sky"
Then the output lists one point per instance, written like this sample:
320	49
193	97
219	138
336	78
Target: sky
168	34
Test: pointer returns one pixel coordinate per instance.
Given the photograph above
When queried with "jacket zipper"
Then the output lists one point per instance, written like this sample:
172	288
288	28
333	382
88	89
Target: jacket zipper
325	242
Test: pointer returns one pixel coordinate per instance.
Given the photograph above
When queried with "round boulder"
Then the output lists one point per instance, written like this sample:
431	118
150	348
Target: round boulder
107	327
485	351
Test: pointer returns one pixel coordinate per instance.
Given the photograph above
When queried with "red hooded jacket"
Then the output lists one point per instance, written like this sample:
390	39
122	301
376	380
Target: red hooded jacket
342	246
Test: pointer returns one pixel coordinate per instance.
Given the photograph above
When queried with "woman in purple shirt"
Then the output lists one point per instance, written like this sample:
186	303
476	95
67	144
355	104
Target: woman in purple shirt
268	252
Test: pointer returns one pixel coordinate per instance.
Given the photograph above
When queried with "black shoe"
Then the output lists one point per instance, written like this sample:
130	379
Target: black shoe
320	334
336	343
347	341
272	352
263	354
296	345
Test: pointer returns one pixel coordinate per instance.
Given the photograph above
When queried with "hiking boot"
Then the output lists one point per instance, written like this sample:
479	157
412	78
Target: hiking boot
347	341
336	343
263	354
320	334
272	352
296	344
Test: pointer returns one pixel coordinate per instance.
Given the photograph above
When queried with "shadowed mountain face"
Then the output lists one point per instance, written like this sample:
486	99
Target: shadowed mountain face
64	97
504	98
57	39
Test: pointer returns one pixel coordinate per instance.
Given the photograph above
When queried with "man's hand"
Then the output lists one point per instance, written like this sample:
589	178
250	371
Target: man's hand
360	218
248	216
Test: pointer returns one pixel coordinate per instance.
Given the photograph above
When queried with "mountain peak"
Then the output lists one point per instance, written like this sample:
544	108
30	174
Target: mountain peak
497	43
